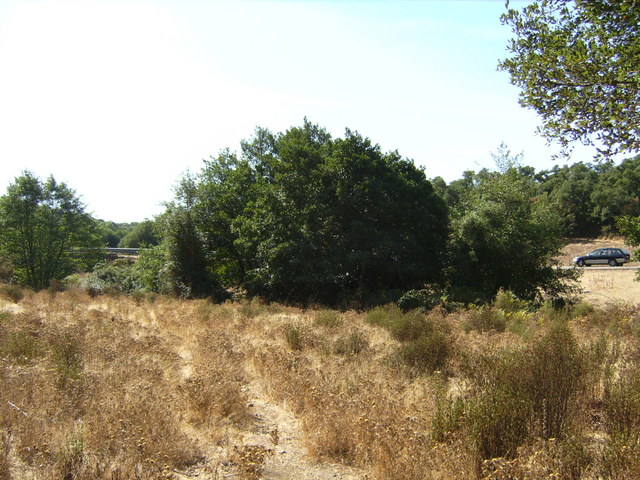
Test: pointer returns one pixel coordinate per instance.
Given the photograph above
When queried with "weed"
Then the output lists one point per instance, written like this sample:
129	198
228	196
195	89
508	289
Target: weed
427	353
295	336
620	458
327	318
351	344
252	308
249	461
485	319
5	461
23	345
70	458
508	302
14	292
66	357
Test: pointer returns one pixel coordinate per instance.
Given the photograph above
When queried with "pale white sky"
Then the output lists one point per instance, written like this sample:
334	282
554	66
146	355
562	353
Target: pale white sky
119	98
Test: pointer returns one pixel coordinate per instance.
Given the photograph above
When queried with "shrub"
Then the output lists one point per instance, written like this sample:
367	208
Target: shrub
351	344
424	299
508	302
555	369
622	405
327	318
582	309
14	292
427	353
498	423
295	336
403	326
485	319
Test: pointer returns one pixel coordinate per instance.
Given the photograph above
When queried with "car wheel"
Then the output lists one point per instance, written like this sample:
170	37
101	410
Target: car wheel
580	263
613	263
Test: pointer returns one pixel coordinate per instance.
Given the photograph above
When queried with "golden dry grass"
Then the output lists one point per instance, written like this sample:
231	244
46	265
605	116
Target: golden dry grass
116	387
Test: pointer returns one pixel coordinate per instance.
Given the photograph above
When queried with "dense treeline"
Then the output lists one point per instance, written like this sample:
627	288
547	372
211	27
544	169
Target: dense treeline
590	195
303	217
300	216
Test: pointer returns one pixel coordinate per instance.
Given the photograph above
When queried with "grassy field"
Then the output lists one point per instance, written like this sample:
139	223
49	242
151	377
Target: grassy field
119	387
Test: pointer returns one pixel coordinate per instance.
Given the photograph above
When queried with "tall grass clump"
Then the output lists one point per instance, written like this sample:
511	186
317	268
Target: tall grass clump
327	318
518	394
21	343
66	356
13	292
295	336
425	345
485	319
351	344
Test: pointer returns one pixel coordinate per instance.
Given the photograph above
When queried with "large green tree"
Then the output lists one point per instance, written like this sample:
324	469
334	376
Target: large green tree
301	216
577	64
339	218
44	230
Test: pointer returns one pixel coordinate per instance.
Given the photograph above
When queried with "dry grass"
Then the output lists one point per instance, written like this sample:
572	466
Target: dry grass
121	387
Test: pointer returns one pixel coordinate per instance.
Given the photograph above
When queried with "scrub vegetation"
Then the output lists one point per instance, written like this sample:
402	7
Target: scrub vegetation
116	386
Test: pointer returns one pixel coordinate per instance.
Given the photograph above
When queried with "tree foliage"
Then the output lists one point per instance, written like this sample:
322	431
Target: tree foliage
506	237
577	64
301	216
44	230
143	235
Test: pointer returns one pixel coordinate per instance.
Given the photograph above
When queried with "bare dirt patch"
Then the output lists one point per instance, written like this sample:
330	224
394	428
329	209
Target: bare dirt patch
603	286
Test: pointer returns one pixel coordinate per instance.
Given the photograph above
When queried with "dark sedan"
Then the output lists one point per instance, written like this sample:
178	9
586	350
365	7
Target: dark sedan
604	256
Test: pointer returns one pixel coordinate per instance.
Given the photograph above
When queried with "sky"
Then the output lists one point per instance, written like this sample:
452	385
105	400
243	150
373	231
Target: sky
119	99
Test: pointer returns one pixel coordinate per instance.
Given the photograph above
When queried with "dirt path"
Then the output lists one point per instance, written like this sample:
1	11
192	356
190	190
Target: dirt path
279	431
272	448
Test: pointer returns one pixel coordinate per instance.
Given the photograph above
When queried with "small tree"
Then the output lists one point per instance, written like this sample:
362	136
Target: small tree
44	230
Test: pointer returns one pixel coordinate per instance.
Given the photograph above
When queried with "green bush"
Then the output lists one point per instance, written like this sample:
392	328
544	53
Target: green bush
522	324
508	302
424	299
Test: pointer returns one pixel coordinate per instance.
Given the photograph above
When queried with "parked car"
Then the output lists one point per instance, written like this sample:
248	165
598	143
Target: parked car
603	256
